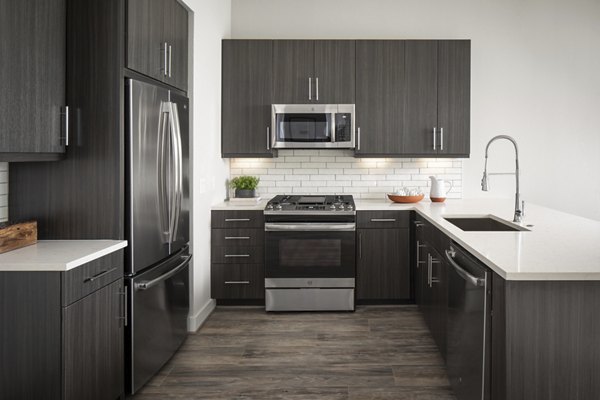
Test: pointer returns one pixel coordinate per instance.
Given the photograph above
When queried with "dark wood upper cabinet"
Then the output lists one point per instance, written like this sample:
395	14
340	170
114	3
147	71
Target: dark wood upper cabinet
176	33
421	94
146	51
380	96
157	40
454	96
247	90
413	98
335	71
313	71
32	79
293	71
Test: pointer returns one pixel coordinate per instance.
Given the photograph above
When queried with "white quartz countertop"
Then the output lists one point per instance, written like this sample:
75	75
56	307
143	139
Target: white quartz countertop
228	205
57	255
559	246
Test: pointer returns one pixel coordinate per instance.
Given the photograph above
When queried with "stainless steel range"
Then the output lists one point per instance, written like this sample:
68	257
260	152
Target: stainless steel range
310	253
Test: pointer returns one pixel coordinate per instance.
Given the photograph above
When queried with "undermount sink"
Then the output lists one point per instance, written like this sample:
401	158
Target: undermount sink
484	224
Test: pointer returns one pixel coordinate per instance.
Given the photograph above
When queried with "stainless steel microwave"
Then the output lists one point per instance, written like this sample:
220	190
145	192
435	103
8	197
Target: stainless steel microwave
312	126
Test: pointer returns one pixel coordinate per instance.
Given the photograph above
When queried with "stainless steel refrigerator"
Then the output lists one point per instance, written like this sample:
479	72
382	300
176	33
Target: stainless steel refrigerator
157	225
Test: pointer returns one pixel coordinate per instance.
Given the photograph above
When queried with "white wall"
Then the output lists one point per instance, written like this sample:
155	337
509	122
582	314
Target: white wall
211	22
535	76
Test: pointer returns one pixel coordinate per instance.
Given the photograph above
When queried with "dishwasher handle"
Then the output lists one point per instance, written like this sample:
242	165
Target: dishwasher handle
475	281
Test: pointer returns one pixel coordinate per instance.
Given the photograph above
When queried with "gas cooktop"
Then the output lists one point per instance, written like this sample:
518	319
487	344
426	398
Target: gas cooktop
311	203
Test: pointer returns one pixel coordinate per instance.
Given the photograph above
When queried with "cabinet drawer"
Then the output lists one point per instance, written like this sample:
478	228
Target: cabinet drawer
237	281
383	219
237	254
237	219
81	281
238	237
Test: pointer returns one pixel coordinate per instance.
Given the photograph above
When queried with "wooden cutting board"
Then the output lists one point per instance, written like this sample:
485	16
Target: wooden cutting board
15	236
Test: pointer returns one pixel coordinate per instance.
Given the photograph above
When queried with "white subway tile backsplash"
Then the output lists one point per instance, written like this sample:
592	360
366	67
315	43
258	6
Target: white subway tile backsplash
337	171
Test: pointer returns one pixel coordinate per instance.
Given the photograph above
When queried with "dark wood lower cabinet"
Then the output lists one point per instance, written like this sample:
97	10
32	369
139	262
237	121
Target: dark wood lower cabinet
55	351
93	333
382	267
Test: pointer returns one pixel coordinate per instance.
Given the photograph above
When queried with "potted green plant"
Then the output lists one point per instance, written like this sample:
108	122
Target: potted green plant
245	186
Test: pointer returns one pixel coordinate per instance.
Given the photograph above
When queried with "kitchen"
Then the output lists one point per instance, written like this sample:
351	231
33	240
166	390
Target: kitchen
532	76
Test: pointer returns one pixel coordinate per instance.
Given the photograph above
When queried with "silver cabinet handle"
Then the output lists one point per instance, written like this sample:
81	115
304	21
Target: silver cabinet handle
99	275
433	279
309	88
268	138
237	237
358	139
317	87
165	59
237	282
429	269
64	112
124	311
383	219
434	137
419	245
418	224
170	57
441	138
237	219
360	245
237	255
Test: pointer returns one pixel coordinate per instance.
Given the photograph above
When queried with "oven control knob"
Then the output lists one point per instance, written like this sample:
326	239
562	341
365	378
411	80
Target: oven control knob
332	207
278	207
269	206
341	207
349	207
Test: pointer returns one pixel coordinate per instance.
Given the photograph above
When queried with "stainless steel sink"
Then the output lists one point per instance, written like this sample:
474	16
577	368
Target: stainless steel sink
484	224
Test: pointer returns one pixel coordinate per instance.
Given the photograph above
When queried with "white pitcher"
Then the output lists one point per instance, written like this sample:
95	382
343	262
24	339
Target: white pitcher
438	189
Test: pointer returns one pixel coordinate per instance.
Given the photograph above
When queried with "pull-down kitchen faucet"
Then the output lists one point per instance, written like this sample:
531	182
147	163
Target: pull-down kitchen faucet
484	181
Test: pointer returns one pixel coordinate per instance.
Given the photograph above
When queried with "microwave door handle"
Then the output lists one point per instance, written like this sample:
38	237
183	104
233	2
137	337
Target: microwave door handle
333	127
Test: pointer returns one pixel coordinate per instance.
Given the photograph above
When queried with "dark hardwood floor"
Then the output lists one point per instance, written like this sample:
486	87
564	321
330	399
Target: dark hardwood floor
245	353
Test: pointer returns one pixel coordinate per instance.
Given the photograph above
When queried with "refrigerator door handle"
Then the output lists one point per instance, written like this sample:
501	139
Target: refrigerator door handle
144	285
165	210
178	157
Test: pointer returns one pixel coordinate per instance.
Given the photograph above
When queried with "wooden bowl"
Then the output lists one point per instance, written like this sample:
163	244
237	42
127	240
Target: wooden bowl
405	199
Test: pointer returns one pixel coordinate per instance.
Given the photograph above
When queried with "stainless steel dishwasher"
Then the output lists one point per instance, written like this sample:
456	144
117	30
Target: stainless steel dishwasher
468	325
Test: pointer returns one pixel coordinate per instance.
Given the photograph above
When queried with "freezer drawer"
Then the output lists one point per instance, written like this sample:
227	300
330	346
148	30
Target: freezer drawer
157	321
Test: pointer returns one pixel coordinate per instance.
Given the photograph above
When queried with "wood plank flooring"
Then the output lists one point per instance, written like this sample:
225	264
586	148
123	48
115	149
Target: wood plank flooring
375	353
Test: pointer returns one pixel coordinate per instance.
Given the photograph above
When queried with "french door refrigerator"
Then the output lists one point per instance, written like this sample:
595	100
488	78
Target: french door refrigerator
157	225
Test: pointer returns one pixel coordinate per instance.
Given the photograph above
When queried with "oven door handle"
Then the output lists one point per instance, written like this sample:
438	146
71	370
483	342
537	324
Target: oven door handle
310	227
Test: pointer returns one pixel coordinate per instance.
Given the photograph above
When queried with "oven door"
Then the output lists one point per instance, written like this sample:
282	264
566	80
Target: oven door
310	250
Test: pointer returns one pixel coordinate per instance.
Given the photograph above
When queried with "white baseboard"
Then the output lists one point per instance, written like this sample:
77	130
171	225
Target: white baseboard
195	321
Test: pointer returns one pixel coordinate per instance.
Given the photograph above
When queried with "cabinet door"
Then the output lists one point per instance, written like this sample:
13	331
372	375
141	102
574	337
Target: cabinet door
176	35
247	83
454	96
380	96
93	338
439	301
383	271
32	77
293	73
146	51
334	71
421	91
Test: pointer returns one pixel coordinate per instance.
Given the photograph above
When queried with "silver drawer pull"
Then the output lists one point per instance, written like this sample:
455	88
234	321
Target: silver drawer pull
236	255
383	219
237	237
237	219
237	282
99	275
